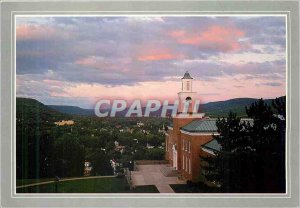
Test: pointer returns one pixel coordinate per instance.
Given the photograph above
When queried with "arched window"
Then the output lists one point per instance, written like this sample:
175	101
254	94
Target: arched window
188	98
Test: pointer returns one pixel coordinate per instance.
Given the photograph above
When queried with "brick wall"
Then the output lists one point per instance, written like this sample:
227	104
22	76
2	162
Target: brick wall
194	155
176	137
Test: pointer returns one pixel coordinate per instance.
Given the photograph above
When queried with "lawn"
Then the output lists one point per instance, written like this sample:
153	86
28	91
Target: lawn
94	185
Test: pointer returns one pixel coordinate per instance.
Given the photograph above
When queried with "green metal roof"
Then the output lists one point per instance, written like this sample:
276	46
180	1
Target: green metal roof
201	125
187	75
207	125
212	145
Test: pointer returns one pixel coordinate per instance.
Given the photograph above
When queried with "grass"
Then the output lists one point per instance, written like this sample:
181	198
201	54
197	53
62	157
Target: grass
98	185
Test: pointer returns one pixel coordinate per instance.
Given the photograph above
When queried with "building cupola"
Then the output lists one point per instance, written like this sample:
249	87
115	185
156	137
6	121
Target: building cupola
187	82
186	75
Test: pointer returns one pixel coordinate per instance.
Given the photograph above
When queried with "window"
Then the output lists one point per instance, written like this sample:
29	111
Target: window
186	145
167	145
189	143
188	85
187	165
190	166
188	98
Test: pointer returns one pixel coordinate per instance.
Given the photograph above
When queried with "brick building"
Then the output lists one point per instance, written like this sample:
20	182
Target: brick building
190	135
187	134
186	140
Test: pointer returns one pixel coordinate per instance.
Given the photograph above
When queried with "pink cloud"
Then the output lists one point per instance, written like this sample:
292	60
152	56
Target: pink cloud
208	91
152	54
178	33
38	32
55	83
101	63
91	61
157	57
215	37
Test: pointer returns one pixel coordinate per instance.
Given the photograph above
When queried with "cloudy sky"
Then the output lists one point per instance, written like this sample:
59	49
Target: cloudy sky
78	60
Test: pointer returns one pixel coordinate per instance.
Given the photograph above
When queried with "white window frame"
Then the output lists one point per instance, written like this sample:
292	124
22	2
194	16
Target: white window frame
187	167
167	145
190	166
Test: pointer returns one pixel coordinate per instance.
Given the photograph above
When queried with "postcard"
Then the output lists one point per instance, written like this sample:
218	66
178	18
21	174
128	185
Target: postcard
129	101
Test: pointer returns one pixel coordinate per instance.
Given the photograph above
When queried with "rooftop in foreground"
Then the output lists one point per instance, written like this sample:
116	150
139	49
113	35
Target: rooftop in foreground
201	125
212	145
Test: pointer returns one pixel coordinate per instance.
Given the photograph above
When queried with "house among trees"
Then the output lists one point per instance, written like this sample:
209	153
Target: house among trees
140	124
63	122
87	168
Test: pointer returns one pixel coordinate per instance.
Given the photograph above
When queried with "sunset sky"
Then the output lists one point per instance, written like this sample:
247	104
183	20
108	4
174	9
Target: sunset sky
78	60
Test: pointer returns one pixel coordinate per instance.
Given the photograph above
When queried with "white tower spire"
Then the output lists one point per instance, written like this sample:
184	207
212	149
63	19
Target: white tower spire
186	94
187	82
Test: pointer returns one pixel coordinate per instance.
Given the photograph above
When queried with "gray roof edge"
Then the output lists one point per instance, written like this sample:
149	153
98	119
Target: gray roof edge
209	148
198	131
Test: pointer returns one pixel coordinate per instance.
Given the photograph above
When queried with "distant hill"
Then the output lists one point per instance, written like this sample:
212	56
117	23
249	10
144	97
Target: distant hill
73	110
213	109
222	108
31	111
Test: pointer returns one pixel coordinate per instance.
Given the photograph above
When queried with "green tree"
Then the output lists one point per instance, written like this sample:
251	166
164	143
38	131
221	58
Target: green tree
99	162
229	167
279	105
251	158
268	135
154	154
69	156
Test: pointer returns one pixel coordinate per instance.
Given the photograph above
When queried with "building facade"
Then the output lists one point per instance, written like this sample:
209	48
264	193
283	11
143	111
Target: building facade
187	135
190	136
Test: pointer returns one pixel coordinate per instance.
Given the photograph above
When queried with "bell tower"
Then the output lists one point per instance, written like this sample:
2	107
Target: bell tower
187	82
186	96
183	117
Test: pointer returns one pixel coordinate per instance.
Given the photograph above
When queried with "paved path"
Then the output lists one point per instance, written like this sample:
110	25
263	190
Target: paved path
151	175
68	179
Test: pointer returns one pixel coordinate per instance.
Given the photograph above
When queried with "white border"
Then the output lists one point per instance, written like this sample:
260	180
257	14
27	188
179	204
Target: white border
158	13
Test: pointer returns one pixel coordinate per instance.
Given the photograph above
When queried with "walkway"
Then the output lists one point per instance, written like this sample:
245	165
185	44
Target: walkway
68	179
151	175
